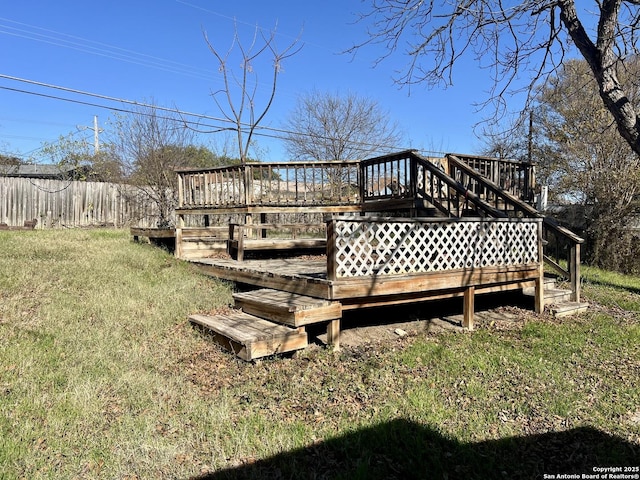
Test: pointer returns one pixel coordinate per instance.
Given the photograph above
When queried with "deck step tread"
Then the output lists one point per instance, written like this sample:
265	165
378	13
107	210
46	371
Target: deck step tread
288	308
551	295
292	302
568	308
251	337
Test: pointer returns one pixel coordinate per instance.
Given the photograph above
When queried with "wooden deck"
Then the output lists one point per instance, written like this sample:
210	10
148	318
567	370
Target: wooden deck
398	229
372	262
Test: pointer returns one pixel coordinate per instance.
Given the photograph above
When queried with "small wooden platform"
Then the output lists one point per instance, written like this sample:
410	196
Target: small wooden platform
250	337
287	308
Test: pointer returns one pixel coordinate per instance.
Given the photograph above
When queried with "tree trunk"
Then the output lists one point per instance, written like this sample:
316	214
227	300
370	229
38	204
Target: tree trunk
602	61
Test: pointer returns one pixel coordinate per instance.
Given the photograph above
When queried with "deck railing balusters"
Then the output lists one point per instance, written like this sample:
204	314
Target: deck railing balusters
278	183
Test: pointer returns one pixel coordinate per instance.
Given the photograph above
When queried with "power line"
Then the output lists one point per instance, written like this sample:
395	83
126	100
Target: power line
60	39
276	133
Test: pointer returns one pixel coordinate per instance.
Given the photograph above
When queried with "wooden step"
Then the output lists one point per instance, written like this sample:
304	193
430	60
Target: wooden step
288	308
551	295
250	337
549	284
556	295
568	308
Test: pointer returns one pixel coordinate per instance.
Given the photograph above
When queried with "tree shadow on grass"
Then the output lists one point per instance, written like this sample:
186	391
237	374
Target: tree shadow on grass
402	449
615	286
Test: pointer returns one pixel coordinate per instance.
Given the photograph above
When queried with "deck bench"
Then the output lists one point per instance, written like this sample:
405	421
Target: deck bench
243	237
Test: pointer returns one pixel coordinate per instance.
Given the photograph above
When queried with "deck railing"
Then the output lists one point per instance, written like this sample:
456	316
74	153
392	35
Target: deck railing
270	184
388	177
515	177
562	246
457	186
456	189
367	246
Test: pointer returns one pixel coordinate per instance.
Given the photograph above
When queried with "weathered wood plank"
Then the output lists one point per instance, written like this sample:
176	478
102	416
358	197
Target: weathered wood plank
268	274
395	285
251	337
286	307
153	232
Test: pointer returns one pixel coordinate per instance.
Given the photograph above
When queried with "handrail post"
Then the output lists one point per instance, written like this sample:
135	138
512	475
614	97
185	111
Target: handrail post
331	250
180	190
539	287
362	181
574	270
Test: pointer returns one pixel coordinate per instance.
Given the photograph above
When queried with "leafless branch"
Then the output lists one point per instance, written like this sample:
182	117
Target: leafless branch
241	92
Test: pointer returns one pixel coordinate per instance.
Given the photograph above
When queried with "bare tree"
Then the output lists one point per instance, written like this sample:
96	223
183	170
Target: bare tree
150	143
239	103
585	159
70	153
529	38
327	126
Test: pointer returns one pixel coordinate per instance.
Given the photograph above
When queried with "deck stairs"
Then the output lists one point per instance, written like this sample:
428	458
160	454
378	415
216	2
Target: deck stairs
557	300
467	192
266	322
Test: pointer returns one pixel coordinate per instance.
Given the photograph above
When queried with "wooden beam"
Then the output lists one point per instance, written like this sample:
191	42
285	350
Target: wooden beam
539	295
179	227
331	250
357	287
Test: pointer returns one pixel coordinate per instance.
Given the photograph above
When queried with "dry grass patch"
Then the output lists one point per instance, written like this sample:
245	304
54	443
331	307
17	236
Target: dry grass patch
101	376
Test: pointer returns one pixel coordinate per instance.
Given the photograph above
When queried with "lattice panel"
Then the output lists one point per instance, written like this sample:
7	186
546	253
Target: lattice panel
399	248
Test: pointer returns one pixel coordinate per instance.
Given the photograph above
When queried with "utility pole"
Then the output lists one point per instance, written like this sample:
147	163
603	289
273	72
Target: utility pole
96	133
96	141
530	138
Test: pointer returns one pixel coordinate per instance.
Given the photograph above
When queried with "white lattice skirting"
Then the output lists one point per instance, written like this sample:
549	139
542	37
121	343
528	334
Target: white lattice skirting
365	248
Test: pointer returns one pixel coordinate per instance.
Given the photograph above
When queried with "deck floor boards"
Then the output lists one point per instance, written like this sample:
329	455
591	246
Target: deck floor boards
308	276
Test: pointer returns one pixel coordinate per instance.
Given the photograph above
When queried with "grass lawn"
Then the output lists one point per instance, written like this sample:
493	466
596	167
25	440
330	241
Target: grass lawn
101	376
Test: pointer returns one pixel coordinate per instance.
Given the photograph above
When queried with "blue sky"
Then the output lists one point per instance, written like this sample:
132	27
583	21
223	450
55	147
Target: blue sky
153	50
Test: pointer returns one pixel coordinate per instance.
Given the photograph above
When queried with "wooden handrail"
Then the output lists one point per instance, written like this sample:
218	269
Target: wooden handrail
404	177
459	188
513	176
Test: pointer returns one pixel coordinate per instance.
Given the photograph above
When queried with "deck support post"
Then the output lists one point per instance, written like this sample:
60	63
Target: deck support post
333	334
539	288
178	247
468	307
539	295
331	250
574	271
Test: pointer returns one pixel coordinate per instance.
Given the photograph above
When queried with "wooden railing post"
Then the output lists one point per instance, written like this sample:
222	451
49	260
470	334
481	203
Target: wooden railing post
468	307
247	174
331	250
180	190
178	250
539	287
574	271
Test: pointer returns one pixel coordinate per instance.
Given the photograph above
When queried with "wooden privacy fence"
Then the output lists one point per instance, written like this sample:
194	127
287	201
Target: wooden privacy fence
60	203
359	247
